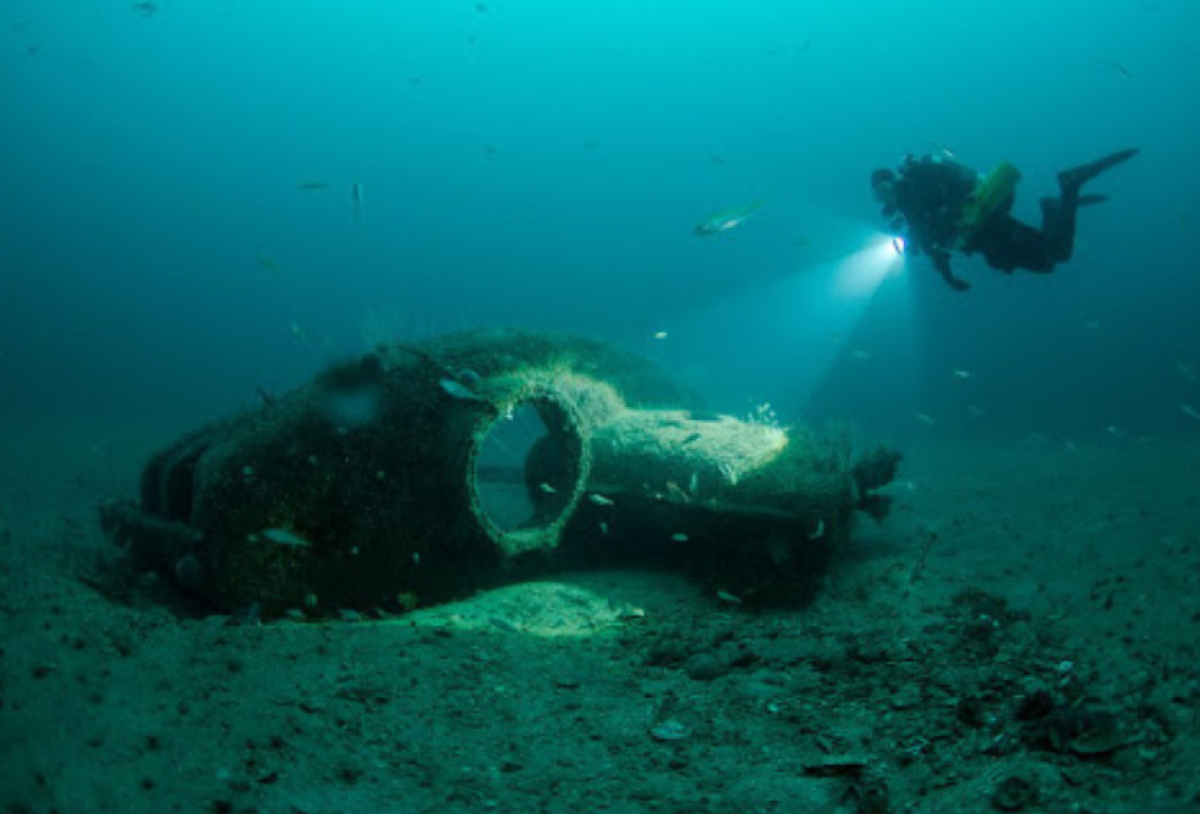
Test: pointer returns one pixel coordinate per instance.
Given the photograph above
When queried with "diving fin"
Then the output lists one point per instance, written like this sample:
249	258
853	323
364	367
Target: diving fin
1073	179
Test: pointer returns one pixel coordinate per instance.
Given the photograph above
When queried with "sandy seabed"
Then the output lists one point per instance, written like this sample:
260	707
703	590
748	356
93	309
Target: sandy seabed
1021	635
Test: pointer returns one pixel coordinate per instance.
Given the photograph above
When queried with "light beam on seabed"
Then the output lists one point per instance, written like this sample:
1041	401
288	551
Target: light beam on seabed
778	341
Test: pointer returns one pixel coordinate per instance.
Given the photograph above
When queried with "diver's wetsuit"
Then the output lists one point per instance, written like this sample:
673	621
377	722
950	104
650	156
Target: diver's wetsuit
1007	244
930	196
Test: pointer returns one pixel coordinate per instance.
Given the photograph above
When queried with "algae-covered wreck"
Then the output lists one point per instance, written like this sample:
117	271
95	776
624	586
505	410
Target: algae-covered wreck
420	472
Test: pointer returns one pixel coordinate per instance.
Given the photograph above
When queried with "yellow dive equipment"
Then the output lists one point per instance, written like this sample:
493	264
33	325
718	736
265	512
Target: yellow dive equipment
988	196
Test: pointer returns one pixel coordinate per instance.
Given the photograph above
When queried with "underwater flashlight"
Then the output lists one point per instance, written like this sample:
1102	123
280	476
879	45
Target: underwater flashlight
898	245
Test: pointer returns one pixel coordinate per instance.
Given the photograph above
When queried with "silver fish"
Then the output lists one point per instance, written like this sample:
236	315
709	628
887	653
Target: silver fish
285	538
726	219
457	390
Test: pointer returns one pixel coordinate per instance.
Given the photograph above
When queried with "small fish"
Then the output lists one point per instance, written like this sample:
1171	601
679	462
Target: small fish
818	532
312	186
727	219
860	355
285	538
600	500
457	390
604	528
1091	325
146	9
679	537
1120	68
268	263
725	596
943	151
671	730
1189	411
356	194
660	334
299	332
926	419
964	374
547	489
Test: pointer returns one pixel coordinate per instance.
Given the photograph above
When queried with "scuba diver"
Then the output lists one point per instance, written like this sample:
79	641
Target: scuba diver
940	206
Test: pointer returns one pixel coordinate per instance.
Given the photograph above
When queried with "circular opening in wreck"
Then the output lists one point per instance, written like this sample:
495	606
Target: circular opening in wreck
528	466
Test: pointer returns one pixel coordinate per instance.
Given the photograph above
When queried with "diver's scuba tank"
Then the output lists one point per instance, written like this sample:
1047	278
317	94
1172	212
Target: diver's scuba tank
989	194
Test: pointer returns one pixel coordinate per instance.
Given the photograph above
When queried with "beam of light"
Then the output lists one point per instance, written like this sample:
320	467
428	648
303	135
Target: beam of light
778	342
860	274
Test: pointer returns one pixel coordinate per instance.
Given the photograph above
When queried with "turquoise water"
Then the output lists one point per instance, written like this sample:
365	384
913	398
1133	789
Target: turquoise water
204	199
